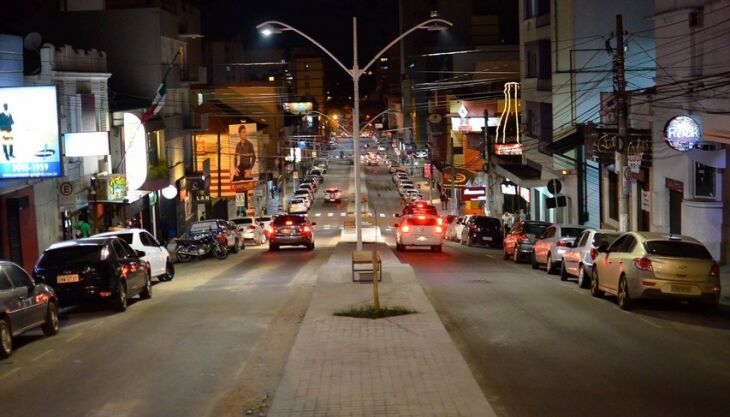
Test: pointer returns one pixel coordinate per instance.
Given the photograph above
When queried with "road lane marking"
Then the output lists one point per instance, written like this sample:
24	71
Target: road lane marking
489	256
317	214
650	322
382	214
74	337
41	355
9	372
343	214
330	214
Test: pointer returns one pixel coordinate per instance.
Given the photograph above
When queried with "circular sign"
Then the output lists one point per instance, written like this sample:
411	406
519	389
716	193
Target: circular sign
66	188
682	133
434	118
554	186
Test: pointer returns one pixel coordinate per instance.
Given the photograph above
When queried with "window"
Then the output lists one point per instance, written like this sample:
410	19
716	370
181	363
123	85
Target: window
705	178
599	238
71	256
617	244
130	253
677	249
624	244
4	282
613	195
550	232
581	239
530	64
570	231
18	277
147	239
127	237
119	249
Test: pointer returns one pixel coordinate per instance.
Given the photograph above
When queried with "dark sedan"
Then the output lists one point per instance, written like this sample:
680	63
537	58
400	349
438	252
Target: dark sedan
482	230
95	269
24	305
291	230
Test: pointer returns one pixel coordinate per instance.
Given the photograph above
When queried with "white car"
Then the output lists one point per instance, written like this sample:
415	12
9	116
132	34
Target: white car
251	229
421	154
265	222
298	206
155	253
557	240
304	195
419	230
403	188
333	195
459	227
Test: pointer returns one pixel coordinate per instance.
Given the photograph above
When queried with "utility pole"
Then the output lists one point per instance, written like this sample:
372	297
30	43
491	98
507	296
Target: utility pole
488	197
621	115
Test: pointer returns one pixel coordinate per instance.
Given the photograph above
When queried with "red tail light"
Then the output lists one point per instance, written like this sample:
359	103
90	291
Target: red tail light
306	229
643	264
271	230
405	228
221	239
523	239
439	221
439	229
715	270
594	253
250	228
564	243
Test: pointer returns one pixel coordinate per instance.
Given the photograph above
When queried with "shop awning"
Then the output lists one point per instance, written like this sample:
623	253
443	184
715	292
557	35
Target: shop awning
524	175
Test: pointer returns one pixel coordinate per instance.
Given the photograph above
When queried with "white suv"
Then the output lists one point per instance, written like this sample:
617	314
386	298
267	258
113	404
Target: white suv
419	230
155	253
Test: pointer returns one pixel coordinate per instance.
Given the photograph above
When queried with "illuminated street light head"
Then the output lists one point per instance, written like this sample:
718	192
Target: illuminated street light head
268	29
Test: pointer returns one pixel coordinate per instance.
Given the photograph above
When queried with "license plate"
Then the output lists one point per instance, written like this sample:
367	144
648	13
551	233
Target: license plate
681	289
286	232
65	279
487	238
421	238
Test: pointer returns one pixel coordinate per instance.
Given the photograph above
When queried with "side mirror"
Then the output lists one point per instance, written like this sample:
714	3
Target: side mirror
140	253
603	247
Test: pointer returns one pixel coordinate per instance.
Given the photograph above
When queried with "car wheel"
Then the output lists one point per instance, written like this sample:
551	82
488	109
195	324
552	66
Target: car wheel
516	257
6	339
120	301
535	265
505	255
595	291
624	298
563	272
310	246
146	293
169	272
438	248
582	281
273	248
50	326
236	247
549	268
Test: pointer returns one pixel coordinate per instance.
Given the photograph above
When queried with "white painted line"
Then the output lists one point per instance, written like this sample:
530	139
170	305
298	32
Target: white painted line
330	214
317	214
578	290
41	355
9	372
650	322
343	214
382	214
74	337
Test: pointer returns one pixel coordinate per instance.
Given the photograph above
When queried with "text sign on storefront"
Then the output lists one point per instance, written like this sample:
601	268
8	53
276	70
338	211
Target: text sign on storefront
682	133
473	193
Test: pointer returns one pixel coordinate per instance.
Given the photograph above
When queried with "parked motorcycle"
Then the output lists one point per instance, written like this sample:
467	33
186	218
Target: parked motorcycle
200	245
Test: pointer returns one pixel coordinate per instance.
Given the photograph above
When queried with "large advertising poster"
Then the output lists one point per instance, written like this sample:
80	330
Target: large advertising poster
243	152
237	172
29	133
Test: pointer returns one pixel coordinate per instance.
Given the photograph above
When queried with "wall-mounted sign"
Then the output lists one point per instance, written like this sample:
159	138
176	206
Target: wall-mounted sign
473	193
472	124
299	108
65	189
525	194
135	151
29	133
682	133
509	188
111	187
508	149
462	177
86	144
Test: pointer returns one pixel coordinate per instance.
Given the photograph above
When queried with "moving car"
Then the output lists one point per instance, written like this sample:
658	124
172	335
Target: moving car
291	230
520	240
419	230
24	306
578	260
251	229
156	253
419	207
333	195
656	265
94	269
549	249
482	230
222	231
298	206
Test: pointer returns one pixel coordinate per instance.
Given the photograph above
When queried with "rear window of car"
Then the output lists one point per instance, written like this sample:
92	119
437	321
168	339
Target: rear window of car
571	231
203	226
487	221
71	255
301	192
127	237
676	249
607	237
424	221
263	219
534	229
242	221
282	220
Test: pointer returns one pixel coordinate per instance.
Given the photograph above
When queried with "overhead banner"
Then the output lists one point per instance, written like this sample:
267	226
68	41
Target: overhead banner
29	133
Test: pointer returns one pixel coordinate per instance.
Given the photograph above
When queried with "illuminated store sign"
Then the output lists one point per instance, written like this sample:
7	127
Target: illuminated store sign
299	108
29	133
135	151
472	124
86	144
682	133
508	149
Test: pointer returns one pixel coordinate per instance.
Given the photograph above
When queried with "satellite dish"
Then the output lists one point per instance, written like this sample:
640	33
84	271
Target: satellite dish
32	41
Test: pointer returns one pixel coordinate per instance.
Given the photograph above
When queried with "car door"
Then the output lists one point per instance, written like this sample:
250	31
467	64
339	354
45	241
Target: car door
542	246
154	253
33	310
571	257
10	302
131	263
612	265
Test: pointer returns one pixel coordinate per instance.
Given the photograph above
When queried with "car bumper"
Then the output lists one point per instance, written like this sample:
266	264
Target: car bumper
291	240
421	241
525	249
651	288
485	239
69	295
249	235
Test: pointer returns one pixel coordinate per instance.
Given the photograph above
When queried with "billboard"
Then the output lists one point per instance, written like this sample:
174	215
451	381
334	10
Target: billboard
243	152
29	133
305	107
237	171
86	144
135	151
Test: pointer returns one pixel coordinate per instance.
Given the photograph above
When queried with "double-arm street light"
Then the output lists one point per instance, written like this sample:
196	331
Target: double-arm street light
272	26
370	121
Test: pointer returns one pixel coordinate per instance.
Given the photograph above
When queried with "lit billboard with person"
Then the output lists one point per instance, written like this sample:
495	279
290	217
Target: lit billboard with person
29	133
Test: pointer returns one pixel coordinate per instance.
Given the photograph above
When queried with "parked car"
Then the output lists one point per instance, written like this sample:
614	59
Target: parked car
451	223
304	195
251	229
222	231
298	206
318	172
94	269
578	260
419	230
291	230
333	195
156	253
265	221
549	249
481	230
519	242
460	226
24	306
656	265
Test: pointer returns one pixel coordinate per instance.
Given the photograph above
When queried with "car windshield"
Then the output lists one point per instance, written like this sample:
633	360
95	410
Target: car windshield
571	231
283	220
536	229
70	255
676	249
598	238
242	221
203	226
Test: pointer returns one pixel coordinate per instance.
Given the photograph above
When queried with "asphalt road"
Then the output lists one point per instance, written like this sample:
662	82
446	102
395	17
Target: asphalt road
213	341
542	347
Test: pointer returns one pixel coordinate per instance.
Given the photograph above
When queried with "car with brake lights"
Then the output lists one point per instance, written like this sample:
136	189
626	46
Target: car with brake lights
519	242
419	230
333	195
291	230
644	265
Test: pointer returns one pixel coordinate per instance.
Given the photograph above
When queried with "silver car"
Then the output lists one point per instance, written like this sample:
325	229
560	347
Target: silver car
557	239
578	260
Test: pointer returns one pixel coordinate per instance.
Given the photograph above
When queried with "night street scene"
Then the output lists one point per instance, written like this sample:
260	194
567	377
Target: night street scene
364	208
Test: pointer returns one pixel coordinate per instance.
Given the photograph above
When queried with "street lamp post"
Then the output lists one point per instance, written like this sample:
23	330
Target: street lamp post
273	26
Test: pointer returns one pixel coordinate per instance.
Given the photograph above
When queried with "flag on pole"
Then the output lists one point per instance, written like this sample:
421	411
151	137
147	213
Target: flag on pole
159	99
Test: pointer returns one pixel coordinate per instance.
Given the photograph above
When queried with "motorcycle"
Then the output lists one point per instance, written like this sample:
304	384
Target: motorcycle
199	245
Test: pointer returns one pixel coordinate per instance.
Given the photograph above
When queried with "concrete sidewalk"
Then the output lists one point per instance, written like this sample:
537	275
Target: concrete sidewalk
399	366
